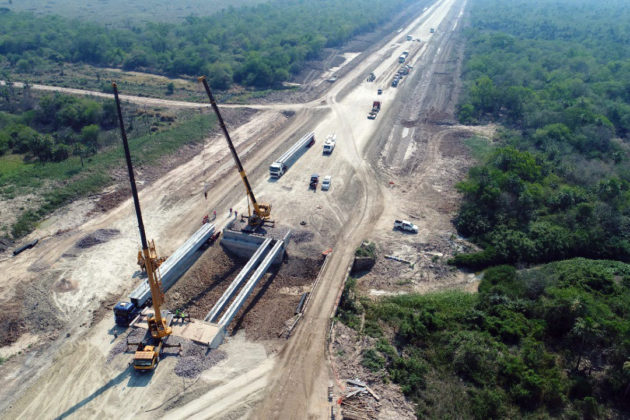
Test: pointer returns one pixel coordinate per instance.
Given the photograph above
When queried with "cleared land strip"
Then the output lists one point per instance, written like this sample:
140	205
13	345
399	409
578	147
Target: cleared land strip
142	100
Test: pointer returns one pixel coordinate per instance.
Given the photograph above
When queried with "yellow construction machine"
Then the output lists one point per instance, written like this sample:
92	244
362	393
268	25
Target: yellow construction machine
143	266
147	354
262	212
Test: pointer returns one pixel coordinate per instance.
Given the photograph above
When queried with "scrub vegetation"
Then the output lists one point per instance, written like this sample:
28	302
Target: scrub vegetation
551	341
556	74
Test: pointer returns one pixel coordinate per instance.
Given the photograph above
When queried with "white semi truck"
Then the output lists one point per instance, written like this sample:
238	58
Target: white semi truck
280	166
329	144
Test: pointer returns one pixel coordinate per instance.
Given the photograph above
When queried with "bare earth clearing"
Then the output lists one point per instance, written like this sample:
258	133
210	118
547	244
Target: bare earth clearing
404	164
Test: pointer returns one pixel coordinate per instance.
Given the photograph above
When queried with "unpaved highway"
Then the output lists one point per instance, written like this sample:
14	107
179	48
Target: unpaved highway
68	376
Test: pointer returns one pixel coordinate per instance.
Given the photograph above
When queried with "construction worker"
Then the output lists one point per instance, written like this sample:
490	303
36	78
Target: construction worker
230	211
235	214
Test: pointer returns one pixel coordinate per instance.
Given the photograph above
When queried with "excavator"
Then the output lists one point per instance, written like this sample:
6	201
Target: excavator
262	212
148	354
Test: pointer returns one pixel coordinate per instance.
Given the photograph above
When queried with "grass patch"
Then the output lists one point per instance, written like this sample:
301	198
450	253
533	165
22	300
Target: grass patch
480	147
11	165
367	249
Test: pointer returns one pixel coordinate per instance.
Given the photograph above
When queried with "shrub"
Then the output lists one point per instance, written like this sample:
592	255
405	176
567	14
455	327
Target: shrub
488	403
373	360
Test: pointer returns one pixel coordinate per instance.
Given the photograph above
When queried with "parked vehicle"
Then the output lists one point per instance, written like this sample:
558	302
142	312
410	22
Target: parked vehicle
329	144
406	226
314	181
380	91
326	183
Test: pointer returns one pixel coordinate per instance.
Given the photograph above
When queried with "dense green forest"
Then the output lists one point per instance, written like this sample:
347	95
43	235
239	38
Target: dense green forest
259	45
553	341
56	128
120	13
556	73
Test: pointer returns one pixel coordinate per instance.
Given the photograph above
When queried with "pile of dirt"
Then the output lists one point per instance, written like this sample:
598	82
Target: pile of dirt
5	244
97	237
299	236
31	309
274	300
204	283
13	325
111	200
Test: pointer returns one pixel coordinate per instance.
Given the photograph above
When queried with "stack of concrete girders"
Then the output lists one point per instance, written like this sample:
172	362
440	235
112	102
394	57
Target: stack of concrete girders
172	269
229	293
277	249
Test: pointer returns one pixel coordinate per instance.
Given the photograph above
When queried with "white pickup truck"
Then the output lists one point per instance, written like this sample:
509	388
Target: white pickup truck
406	226
329	144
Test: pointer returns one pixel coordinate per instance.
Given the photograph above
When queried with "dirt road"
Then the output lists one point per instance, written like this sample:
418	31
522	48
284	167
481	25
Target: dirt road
68	377
143	100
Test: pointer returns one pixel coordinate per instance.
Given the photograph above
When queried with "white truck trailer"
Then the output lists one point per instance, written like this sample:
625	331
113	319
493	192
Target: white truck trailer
280	166
329	144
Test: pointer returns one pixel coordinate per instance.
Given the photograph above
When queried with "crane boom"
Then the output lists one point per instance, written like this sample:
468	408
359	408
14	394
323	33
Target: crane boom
262	212
157	324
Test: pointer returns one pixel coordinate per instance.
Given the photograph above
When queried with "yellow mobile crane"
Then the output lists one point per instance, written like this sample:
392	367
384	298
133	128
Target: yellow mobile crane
262	212
147	355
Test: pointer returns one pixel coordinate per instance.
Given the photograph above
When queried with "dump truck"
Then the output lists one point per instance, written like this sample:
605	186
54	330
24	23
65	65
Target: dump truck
280	166
329	144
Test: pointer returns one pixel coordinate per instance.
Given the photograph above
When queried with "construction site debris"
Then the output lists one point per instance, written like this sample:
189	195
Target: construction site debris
289	325
391	257
97	237
135	335
25	247
301	304
195	358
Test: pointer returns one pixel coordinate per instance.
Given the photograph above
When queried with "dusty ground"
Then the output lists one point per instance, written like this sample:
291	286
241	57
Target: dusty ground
412	144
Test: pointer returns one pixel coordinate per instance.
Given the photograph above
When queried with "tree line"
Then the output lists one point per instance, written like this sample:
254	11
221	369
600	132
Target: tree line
260	46
556	74
56	128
